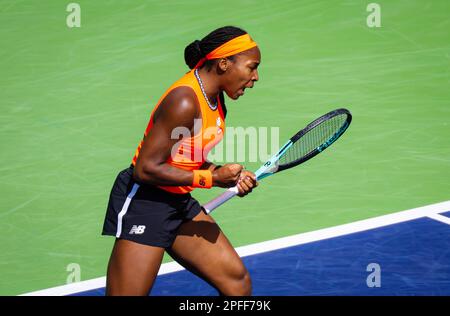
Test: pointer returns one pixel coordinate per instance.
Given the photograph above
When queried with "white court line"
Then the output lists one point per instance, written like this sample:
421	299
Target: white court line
440	218
431	211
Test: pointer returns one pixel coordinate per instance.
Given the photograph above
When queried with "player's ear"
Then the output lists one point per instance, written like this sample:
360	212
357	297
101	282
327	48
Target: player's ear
223	64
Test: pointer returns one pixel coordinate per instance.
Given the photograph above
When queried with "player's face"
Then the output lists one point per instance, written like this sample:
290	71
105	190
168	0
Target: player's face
242	73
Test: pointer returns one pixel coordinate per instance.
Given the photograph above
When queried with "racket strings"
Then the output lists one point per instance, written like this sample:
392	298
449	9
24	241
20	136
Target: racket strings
313	139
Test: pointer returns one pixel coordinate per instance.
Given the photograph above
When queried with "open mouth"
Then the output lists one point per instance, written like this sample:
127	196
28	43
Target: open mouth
241	91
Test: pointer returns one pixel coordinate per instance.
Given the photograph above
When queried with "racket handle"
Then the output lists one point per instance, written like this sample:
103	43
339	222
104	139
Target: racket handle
218	201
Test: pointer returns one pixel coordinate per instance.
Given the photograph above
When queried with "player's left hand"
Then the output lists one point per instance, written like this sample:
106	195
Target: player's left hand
246	183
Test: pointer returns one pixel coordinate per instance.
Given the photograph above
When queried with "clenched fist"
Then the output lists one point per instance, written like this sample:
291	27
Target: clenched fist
246	183
227	175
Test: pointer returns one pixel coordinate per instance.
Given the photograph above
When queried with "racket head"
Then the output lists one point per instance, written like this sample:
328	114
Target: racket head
315	138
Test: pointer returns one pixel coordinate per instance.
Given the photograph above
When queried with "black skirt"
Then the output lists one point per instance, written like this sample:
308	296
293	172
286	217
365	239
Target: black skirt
146	214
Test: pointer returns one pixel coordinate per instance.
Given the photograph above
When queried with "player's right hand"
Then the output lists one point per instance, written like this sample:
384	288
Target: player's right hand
227	175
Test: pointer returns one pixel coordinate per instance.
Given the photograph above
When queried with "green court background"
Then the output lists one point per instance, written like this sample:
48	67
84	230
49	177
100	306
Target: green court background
75	103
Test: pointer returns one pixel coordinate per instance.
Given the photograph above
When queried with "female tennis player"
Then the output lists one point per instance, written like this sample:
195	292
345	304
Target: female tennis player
150	209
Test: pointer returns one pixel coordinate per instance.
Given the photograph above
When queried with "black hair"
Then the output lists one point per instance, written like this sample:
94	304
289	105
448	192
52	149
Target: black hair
199	49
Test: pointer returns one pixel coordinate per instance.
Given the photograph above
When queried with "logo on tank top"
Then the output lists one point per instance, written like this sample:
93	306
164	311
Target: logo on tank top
218	122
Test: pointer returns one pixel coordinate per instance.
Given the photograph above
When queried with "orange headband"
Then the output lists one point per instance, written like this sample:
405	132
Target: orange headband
232	47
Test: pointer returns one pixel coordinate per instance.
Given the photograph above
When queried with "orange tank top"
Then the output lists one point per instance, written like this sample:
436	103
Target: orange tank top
191	151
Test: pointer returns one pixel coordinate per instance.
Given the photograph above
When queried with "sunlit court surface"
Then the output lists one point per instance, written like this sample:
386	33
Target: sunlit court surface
370	216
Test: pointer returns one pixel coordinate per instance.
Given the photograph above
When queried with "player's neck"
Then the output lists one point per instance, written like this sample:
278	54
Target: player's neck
210	84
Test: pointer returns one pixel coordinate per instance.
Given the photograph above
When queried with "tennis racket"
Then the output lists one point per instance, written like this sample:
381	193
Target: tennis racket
304	145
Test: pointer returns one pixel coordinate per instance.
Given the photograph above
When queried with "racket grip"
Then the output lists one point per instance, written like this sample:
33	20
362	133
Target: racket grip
218	201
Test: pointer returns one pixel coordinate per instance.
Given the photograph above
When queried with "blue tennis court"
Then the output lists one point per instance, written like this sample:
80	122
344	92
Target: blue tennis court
411	257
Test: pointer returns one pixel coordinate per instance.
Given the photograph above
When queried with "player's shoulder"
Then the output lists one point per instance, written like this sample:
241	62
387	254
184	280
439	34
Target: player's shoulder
180	104
182	99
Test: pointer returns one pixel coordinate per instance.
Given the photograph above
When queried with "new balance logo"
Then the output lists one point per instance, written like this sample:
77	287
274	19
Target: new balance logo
137	230
202	181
